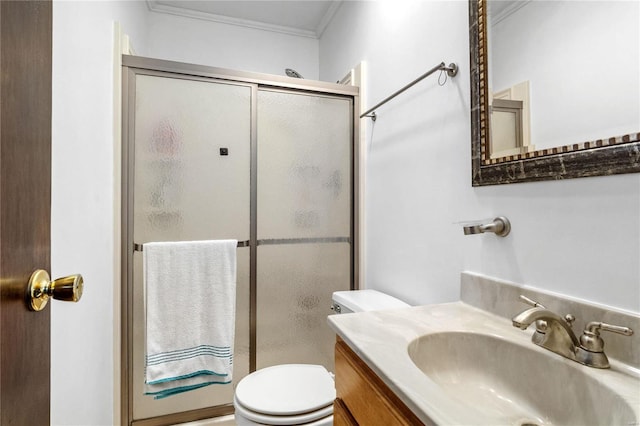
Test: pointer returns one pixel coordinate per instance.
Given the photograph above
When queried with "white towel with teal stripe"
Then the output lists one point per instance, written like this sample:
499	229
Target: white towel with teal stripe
190	298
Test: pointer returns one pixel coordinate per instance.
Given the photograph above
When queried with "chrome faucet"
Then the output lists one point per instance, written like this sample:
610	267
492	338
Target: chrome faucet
554	333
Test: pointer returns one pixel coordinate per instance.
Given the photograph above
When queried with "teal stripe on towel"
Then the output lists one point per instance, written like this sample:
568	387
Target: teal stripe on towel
194	348
185	356
189	355
187	376
225	348
174	391
187	351
202	350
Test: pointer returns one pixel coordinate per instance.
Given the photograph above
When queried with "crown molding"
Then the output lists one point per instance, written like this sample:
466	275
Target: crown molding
328	16
154	6
508	11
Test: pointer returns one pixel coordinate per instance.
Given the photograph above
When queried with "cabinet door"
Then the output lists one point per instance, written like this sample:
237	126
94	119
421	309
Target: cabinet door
341	414
365	395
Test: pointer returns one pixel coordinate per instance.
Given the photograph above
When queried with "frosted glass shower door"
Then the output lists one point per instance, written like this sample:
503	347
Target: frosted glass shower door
191	182
304	223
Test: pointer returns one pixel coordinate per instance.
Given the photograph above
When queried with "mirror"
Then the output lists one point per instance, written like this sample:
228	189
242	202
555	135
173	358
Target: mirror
554	88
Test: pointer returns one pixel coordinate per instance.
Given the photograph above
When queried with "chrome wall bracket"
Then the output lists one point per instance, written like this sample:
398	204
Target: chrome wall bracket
500	226
373	116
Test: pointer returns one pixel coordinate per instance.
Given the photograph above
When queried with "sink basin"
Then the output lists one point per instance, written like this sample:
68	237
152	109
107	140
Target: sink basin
454	364
517	383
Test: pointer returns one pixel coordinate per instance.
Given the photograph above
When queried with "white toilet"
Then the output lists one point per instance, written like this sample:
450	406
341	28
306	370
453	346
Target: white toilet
300	394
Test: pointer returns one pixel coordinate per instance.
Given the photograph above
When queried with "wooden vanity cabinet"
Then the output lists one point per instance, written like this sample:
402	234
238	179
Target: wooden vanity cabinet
362	398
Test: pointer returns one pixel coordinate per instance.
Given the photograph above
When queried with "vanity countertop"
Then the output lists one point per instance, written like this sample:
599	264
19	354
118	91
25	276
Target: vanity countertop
382	338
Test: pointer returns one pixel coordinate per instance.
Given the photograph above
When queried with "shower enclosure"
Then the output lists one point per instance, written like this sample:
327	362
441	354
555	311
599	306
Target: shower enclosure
270	161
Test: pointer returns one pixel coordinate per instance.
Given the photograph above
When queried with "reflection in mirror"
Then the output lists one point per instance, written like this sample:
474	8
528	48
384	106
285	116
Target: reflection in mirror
576	56
555	89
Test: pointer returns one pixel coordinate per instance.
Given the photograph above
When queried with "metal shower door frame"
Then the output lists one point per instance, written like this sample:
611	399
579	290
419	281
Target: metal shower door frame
133	66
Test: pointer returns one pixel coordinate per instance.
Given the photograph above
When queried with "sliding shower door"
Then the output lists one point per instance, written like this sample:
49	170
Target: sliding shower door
268	161
304	223
191	182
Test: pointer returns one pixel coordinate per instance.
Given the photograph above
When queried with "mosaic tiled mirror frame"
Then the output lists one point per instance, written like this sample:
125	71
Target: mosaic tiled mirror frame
615	155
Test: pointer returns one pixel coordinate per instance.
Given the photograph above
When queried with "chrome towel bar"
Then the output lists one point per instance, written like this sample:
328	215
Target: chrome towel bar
451	69
277	241
140	247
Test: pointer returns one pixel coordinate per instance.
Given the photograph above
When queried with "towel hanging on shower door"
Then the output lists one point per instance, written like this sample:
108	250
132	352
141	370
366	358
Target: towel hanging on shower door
190	292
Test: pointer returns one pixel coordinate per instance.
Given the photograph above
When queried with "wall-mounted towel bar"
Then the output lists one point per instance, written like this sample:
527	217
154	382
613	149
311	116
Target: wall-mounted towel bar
451	69
276	241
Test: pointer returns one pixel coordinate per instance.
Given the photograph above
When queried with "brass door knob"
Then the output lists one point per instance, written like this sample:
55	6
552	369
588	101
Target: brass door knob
41	288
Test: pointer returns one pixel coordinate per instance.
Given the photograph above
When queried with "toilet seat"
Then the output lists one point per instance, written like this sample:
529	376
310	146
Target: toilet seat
286	395
313	418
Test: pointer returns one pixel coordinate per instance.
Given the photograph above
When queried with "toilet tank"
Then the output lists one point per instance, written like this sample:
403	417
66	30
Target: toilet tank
364	300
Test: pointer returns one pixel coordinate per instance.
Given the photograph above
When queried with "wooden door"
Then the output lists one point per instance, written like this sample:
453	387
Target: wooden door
25	204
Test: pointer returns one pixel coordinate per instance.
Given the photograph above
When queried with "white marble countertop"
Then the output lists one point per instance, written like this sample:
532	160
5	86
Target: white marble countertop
381	339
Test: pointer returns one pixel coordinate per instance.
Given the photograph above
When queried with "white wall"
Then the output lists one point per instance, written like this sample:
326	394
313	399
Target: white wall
578	237
82	210
229	46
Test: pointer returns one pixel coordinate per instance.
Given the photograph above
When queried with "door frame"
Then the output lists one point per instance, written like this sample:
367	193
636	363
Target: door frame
134	65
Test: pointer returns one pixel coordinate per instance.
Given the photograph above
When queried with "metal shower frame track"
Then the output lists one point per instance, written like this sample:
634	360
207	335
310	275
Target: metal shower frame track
135	65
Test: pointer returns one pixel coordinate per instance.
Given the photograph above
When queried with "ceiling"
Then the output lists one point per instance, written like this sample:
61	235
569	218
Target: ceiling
306	18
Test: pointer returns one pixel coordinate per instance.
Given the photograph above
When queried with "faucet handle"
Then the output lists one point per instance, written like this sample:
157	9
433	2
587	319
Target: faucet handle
531	302
541	325
595	327
591	340
568	318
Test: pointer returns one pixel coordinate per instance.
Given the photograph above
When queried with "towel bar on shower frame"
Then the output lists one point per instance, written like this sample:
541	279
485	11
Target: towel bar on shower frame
278	241
140	247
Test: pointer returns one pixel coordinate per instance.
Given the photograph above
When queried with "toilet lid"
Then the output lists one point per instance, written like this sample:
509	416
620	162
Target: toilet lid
285	390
